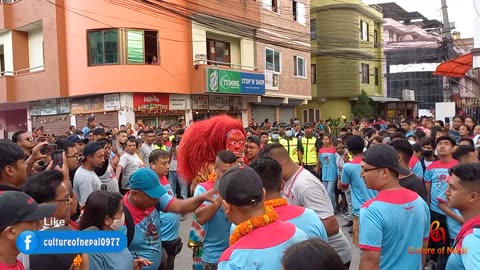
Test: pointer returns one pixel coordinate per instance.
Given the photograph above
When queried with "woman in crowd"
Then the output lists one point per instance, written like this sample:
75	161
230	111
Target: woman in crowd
104	210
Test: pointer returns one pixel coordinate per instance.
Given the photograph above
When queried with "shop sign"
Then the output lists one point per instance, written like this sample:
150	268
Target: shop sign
252	83
200	102
271	80
48	107
63	105
111	102
147	101
35	108
219	103
87	105
234	82
177	102
236	103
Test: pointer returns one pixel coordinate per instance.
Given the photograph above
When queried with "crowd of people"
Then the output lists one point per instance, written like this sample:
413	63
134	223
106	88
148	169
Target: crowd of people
266	196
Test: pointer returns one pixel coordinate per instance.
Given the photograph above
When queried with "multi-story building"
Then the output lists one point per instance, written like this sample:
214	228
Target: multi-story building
62	61
476	34
413	51
283	53
346	57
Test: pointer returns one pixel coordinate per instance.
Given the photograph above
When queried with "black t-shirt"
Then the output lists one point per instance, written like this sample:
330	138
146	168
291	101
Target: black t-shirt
413	183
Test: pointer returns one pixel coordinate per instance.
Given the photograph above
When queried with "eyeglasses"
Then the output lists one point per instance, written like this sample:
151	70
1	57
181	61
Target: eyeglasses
64	200
372	169
30	139
73	156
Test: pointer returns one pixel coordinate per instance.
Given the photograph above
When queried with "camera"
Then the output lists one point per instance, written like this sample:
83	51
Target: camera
48	148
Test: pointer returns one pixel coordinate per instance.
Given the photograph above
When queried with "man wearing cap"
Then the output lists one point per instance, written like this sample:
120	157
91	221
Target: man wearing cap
274	135
308	148
86	180
143	202
79	142
298	132
19	213
397	221
259	238
305	219
162	142
91	124
252	149
302	188
290	142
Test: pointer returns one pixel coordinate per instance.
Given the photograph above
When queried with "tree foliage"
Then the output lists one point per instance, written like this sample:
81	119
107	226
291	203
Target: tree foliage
362	107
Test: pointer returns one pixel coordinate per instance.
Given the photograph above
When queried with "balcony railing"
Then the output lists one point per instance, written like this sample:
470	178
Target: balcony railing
21	71
231	65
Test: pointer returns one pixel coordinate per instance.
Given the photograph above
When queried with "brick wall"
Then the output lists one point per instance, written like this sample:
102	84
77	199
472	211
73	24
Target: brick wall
55	124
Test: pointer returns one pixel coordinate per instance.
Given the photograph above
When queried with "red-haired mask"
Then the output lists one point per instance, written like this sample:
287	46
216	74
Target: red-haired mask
235	142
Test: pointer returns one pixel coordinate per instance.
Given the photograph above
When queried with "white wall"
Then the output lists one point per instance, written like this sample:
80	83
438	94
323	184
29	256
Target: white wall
6	41
126	114
35	49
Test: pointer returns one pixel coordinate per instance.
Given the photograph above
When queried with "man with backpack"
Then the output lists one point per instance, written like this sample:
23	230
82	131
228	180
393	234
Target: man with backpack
142	206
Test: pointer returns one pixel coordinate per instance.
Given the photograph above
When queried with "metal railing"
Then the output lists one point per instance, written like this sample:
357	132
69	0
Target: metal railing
21	71
201	61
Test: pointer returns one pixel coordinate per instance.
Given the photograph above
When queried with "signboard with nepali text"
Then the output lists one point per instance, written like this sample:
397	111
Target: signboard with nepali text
234	82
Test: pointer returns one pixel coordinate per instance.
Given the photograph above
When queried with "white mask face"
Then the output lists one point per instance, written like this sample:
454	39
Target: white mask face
289	133
412	142
118	223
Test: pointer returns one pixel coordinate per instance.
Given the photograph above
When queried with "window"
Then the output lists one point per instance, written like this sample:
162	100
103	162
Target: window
364	31
365	74
272	60
299	14
376	76
313	29
138	47
299	68
375	38
142	47
218	51
313	73
2	61
311	115
103	47
271	5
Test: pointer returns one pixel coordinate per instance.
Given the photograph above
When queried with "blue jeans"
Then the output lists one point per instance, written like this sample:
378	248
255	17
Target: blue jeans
330	187
174	179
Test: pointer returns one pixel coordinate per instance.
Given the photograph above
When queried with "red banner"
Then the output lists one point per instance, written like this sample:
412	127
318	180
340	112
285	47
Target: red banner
147	101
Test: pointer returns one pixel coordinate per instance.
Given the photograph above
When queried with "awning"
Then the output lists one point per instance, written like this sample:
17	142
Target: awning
384	99
456	67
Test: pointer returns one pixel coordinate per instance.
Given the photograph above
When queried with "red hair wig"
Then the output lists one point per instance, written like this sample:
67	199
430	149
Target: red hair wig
201	143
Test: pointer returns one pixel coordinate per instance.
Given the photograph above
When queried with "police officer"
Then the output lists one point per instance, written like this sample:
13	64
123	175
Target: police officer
290	142
308	147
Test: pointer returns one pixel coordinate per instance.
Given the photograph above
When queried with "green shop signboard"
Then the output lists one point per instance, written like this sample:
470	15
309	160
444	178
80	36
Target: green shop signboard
234	82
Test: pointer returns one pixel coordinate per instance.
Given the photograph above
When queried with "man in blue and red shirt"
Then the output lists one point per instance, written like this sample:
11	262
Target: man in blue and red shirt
436	178
394	224
463	194
262	246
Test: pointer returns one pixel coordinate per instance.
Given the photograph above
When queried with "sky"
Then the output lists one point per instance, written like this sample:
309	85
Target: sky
459	11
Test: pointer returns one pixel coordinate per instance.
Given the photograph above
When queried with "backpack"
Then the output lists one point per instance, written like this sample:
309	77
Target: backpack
131	225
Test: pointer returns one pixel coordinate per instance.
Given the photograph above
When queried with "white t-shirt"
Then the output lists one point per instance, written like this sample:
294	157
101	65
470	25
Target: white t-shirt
304	189
130	163
84	183
145	151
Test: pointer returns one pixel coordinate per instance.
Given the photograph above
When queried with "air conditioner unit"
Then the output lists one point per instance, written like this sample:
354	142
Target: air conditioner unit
408	95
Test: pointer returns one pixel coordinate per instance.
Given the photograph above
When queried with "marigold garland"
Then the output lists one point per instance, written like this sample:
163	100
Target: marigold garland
212	178
276	202
246	227
77	261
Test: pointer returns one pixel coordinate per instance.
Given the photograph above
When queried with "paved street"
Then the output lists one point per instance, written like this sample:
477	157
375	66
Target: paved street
184	259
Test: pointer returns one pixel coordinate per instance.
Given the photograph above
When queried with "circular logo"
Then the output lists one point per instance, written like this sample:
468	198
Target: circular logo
27	242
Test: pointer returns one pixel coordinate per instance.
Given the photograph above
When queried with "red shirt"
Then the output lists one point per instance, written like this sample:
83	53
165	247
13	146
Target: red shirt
413	161
17	266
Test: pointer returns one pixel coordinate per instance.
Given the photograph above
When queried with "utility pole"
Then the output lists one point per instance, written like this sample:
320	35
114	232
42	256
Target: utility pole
451	87
447	31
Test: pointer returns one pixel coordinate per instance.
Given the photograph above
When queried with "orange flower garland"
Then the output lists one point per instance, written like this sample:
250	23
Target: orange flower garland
212	178
276	202
77	261
246	227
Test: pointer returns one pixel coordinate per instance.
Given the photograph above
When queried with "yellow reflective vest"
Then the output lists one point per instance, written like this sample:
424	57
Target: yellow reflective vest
310	155
292	148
